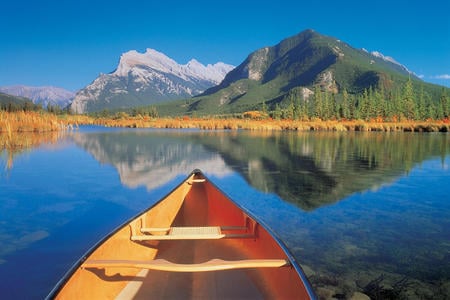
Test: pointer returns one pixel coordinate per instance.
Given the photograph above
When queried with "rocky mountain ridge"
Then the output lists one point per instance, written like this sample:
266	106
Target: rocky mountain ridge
146	78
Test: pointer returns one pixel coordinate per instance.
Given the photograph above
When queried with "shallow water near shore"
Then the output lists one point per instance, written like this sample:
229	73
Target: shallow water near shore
362	212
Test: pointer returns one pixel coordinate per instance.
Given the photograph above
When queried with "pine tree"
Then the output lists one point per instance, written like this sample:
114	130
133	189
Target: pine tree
421	108
379	103
384	103
317	103
364	106
326	109
397	108
297	109
277	112
334	107
389	103
345	106
430	108
264	108
304	110
444	105
409	107
372	104
291	108
352	107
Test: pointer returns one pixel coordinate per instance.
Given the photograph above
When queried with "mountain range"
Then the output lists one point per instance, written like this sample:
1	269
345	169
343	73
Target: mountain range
268	77
146	78
42	95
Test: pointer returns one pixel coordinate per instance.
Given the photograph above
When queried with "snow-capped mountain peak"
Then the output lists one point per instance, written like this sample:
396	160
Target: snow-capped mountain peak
151	59
160	62
146	78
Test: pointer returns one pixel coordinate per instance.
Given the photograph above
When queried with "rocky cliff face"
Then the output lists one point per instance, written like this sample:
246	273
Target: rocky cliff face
147	78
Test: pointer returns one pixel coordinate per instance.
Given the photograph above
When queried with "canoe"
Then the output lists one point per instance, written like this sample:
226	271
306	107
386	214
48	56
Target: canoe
195	243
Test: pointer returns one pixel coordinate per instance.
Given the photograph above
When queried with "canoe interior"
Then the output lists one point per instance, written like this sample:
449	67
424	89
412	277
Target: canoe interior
196	202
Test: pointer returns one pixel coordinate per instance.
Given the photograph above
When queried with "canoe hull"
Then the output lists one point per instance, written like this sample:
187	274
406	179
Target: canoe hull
158	235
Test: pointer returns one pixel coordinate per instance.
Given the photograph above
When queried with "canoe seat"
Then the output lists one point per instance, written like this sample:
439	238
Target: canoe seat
166	229
164	265
189	233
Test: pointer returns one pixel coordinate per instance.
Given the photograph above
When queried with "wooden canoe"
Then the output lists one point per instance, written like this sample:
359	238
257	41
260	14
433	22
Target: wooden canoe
194	243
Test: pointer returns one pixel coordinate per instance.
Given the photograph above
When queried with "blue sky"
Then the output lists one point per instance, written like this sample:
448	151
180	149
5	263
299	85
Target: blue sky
68	43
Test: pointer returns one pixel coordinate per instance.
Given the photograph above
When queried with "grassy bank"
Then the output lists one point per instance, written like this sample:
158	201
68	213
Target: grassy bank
274	125
28	122
20	131
43	122
23	130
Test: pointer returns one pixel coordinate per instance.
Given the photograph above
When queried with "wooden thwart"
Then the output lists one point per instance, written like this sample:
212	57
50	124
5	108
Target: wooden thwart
166	229
188	233
211	265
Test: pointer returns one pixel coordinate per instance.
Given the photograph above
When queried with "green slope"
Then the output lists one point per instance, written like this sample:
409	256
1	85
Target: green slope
9	102
306	60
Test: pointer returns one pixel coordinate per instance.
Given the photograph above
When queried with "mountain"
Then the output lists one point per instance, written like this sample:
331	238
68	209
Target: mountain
43	95
147	78
298	65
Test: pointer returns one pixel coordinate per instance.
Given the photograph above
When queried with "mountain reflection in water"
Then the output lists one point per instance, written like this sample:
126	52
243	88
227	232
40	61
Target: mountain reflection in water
160	156
307	169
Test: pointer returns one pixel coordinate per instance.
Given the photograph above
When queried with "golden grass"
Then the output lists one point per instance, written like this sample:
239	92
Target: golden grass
274	125
28	122
20	131
32	121
40	122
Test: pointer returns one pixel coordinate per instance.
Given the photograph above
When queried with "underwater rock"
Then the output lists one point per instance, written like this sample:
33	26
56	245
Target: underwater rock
359	296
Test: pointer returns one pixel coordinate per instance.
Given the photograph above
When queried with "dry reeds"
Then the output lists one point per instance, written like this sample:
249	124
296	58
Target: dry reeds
29	121
39	122
274	125
23	130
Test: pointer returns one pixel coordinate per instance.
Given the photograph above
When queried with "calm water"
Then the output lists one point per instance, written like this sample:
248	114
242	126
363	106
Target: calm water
367	212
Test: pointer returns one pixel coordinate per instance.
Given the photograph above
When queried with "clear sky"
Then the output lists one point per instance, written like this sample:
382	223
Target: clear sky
68	43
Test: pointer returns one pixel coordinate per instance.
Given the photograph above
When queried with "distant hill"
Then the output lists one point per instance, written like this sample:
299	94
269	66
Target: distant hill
147	78
298	65
43	95
9	102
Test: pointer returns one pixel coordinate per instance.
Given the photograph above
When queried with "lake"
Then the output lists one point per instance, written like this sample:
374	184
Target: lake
361	212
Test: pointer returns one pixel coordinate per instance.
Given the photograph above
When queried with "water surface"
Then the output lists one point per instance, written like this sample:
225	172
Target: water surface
365	212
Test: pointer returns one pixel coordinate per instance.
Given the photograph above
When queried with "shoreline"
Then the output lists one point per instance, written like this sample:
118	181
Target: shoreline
37	122
276	125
